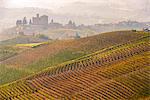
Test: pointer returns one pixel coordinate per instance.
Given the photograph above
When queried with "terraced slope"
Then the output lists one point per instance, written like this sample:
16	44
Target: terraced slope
36	59
117	73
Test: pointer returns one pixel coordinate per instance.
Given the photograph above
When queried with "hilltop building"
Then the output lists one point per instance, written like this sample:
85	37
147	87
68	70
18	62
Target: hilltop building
43	22
71	25
34	25
40	20
55	25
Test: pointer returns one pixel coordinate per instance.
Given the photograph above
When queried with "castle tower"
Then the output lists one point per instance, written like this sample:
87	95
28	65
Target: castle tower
36	20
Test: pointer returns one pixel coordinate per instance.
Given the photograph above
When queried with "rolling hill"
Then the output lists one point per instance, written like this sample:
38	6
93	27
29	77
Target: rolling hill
117	72
34	60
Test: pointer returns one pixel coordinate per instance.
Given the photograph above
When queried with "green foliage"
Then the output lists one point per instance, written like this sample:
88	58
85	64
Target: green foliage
77	36
134	30
42	36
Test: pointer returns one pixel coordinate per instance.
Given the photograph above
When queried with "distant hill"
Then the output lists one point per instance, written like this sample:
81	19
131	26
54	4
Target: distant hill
89	15
68	33
63	32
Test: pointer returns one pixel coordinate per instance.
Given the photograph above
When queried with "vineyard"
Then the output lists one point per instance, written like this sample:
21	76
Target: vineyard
27	60
119	72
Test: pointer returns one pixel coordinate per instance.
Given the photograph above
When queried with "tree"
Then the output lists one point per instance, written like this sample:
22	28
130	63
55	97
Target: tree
77	36
30	22
70	22
42	36
24	21
52	21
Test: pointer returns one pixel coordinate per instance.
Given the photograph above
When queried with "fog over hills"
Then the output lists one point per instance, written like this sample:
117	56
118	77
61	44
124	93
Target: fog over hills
107	13
82	12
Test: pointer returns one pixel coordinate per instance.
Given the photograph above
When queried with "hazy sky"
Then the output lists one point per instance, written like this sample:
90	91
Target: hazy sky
84	11
38	3
52	4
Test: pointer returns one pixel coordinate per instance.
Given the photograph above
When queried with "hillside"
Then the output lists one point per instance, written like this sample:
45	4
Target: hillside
118	72
10	48
56	52
9	51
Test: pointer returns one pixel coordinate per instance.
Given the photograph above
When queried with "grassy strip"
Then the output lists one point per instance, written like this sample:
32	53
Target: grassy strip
33	45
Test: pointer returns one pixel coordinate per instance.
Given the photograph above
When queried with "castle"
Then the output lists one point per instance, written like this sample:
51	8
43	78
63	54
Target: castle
42	21
38	20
